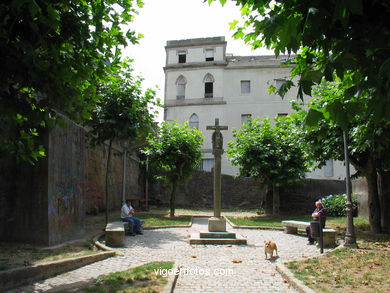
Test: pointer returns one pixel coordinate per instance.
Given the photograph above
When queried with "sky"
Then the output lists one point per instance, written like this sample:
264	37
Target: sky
163	20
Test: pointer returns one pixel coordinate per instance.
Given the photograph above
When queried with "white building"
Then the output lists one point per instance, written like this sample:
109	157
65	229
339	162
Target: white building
202	83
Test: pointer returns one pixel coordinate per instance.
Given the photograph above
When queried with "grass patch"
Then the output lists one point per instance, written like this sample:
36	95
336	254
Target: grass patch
165	210
20	255
142	279
348	270
337	223
163	220
265	221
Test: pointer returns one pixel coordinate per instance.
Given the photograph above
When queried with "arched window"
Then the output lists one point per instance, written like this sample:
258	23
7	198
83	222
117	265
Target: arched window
208	85
194	121
181	87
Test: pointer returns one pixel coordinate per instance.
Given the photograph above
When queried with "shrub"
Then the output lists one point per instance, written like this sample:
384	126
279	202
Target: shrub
336	205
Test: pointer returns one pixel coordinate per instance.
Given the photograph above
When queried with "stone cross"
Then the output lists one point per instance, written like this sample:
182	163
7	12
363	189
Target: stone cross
217	151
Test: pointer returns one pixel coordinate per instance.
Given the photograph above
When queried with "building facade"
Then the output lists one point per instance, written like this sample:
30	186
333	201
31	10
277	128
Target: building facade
203	82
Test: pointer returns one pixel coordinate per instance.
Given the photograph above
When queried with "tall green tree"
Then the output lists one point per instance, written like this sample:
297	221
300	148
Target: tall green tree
349	40
176	152
369	142
122	114
54	54
272	154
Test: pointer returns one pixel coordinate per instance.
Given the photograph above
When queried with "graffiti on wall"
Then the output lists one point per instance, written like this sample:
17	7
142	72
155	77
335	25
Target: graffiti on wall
65	207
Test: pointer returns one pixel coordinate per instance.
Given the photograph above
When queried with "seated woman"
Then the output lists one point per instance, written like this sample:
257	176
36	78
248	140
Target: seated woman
319	214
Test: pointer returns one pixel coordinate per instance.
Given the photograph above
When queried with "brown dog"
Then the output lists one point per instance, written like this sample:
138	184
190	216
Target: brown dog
269	247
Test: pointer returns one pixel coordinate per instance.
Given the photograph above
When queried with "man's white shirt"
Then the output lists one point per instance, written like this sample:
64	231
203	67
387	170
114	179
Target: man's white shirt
126	211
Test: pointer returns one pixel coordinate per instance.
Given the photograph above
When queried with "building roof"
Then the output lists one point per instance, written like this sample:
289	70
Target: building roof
195	42
256	61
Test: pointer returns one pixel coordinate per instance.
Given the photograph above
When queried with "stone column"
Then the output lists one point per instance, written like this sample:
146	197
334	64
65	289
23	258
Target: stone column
217	223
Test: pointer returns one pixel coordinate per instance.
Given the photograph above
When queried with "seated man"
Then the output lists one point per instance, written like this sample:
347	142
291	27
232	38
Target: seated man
127	215
317	215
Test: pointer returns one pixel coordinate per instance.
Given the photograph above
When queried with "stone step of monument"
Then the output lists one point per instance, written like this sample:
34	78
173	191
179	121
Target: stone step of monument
196	239
217	234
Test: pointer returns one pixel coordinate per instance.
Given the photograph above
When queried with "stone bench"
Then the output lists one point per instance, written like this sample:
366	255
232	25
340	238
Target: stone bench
329	234
115	234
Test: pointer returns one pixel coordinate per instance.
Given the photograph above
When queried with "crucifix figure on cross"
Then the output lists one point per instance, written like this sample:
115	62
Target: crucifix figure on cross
217	138
217	224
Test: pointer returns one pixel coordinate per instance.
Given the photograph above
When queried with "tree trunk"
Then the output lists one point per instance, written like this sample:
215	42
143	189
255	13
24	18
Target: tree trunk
172	201
384	197
275	201
268	200
107	173
373	198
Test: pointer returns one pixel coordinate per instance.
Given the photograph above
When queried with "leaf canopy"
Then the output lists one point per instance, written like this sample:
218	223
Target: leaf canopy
333	39
54	54
175	151
270	153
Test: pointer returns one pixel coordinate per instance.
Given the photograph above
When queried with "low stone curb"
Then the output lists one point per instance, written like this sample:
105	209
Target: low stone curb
104	247
170	226
21	276
100	245
172	280
253	227
288	275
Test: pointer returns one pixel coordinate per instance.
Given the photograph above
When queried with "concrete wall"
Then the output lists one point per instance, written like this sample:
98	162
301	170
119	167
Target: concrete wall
246	193
360	189
46	203
23	202
65	172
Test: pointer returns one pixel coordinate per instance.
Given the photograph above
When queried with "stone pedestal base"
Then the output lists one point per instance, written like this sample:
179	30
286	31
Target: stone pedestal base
217	238
217	224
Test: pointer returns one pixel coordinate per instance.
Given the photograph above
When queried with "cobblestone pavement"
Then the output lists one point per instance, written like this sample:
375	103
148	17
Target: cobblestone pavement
204	268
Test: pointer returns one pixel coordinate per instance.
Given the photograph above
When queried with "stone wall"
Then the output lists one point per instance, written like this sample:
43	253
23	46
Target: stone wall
245	193
94	184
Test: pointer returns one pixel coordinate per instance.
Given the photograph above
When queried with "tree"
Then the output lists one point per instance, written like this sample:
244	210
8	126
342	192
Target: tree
121	114
344	39
54	56
176	152
273	155
368	144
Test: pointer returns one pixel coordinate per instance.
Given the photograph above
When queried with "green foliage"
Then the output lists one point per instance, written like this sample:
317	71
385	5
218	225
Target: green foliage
145	278
347	40
336	205
273	154
368	142
323	134
122	111
175	150
54	56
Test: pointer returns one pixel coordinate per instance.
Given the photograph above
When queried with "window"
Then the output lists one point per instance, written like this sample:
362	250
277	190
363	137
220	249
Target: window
282	114
182	56
208	86
194	121
279	83
245	118
181	87
328	169
245	87
207	165
208	89
209	54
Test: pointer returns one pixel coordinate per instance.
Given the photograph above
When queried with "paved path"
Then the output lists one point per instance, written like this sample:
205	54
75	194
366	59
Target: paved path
205	268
